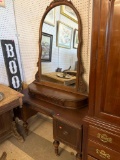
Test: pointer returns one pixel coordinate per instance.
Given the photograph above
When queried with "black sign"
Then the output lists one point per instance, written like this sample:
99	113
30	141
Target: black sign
11	62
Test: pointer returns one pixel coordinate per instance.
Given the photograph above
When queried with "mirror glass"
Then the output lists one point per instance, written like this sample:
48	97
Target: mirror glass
59	46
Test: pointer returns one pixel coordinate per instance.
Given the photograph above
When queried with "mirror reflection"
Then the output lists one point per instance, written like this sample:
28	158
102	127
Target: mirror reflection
59	46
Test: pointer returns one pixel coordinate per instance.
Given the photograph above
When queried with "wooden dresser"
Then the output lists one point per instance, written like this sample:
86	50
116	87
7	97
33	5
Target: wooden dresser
102	124
67	123
11	100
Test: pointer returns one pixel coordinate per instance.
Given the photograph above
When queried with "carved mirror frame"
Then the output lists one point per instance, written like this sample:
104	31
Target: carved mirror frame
81	86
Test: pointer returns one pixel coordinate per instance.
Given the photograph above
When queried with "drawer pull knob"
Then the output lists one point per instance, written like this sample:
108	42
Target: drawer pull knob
102	154
104	138
60	127
65	133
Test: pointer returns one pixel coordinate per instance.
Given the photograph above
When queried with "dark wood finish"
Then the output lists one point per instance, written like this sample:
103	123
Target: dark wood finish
91	158
108	68
105	61
102	125
56	145
67	106
105	137
69	119
55	96
26	113
68	133
50	109
9	106
11	100
104	134
101	152
58	95
5	126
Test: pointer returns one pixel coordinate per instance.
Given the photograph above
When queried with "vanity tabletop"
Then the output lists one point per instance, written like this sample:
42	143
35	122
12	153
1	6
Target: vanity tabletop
73	115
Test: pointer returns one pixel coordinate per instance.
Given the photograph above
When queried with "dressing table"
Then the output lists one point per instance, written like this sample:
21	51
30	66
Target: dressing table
98	129
65	99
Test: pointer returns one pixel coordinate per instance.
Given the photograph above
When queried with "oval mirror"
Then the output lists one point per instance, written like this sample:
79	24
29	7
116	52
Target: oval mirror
59	45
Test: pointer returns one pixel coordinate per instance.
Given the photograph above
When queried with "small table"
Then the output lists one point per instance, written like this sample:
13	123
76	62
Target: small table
11	100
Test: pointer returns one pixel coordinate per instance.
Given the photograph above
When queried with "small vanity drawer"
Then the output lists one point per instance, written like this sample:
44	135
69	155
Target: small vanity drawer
101	152
91	158
67	133
105	137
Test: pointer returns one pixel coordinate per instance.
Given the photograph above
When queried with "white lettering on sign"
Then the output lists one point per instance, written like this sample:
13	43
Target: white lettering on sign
13	67
15	82
9	49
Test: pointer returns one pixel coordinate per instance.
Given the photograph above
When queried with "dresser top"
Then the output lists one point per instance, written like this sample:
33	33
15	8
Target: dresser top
10	96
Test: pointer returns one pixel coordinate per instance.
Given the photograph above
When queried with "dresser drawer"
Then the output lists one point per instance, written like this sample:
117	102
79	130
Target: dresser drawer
67	133
91	158
105	137
101	152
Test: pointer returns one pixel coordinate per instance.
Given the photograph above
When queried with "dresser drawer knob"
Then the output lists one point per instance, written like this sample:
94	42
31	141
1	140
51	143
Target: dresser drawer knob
102	154
60	127
65	133
104	138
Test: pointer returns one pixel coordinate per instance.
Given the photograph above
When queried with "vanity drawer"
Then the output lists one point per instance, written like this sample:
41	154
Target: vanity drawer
101	152
67	133
104	137
91	158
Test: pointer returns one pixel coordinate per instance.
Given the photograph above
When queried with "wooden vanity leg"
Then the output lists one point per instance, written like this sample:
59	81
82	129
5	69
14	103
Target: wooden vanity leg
56	145
25	125
78	156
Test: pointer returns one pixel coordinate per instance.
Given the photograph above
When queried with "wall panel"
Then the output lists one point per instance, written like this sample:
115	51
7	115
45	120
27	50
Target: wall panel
8	32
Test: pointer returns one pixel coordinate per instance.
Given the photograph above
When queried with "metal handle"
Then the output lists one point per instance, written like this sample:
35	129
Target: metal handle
102	154
104	138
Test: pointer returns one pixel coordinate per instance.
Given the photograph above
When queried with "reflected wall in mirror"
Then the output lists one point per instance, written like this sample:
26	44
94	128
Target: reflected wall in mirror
62	69
50	17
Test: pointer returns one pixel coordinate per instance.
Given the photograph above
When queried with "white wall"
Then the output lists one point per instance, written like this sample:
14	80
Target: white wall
28	14
7	32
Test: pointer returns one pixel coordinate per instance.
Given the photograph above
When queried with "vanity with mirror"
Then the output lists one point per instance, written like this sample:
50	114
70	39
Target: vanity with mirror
60	66
59	89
